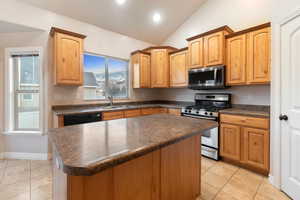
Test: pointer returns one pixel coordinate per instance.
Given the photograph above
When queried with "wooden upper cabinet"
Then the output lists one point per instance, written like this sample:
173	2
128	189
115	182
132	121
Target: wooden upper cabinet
236	60
248	56
256	148
214	49
68	57
258	56
230	141
208	49
195	55
160	68
178	69
141	69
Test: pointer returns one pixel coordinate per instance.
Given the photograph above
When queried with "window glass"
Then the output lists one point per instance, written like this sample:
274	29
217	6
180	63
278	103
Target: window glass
118	78
105	76
27	92
94	77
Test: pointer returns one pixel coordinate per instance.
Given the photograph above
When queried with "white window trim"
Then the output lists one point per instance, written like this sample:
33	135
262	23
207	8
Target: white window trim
9	101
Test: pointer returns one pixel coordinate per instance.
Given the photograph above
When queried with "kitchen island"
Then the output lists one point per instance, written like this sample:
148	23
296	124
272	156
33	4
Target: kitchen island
153	157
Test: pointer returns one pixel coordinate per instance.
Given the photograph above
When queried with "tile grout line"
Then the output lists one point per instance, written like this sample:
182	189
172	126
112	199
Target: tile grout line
256	192
226	183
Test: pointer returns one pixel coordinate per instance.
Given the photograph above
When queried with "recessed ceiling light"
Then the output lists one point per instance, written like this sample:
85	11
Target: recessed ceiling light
156	18
120	2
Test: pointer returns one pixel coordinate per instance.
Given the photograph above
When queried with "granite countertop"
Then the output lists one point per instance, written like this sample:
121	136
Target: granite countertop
78	109
248	110
87	149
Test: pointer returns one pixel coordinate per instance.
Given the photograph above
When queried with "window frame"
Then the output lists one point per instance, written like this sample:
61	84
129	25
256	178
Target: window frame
107	77
10	126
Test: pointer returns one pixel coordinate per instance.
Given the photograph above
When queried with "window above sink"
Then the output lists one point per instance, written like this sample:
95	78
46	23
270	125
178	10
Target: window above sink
105	76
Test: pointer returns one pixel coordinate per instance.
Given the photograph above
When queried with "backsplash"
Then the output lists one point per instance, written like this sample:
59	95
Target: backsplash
250	95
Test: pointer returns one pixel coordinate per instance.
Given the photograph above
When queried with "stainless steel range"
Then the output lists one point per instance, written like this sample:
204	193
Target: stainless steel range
207	106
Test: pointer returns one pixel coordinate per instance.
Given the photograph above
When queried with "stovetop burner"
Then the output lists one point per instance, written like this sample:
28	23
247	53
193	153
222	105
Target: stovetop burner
207	106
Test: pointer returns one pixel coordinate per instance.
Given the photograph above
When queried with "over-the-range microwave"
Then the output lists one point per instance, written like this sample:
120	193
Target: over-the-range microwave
207	78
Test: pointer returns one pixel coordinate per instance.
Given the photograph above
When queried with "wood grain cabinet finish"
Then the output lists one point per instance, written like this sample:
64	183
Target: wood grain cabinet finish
160	68
248	56
246	140
174	111
148	177
178	69
141	69
256	147
258	56
230	141
182	159
111	115
68	57
132	113
195	54
214	49
236	60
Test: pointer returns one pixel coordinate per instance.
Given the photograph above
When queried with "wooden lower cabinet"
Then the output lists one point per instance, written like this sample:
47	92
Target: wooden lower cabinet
256	147
152	111
132	113
112	115
231	141
174	111
171	173
180	170
247	144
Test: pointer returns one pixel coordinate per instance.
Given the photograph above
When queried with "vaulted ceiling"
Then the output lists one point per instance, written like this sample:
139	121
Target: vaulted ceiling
133	18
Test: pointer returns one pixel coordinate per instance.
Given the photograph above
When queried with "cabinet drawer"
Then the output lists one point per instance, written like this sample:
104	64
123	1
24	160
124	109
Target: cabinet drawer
245	121
148	111
132	113
113	115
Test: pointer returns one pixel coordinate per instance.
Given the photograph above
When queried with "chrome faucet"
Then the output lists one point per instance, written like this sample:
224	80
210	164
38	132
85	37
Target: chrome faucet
111	100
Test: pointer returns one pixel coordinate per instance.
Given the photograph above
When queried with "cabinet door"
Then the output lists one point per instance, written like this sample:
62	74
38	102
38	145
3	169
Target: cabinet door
160	70
258	56
214	49
256	148
68	60
145	72
231	142
236	60
178	70
195	53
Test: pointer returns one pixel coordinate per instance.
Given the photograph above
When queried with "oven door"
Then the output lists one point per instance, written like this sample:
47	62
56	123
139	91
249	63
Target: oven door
210	138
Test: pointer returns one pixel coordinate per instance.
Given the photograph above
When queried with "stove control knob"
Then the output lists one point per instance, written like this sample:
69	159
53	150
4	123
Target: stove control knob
206	113
211	114
190	111
197	112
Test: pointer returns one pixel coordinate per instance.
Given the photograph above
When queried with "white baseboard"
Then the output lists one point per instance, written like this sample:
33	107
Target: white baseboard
25	156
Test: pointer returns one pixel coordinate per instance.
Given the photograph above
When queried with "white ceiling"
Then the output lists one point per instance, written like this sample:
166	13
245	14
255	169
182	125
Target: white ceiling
133	19
6	27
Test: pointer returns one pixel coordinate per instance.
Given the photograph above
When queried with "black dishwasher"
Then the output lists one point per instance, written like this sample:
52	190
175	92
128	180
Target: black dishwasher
82	118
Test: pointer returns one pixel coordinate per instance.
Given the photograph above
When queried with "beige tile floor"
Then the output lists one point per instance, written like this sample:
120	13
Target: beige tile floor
222	181
32	180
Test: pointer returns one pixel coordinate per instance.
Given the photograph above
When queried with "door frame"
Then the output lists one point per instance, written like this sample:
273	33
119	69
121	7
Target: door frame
275	136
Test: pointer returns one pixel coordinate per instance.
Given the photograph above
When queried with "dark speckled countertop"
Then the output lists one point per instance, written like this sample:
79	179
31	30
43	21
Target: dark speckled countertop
90	148
78	109
248	110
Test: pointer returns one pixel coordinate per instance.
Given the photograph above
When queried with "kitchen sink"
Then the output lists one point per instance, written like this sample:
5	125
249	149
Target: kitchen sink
115	107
